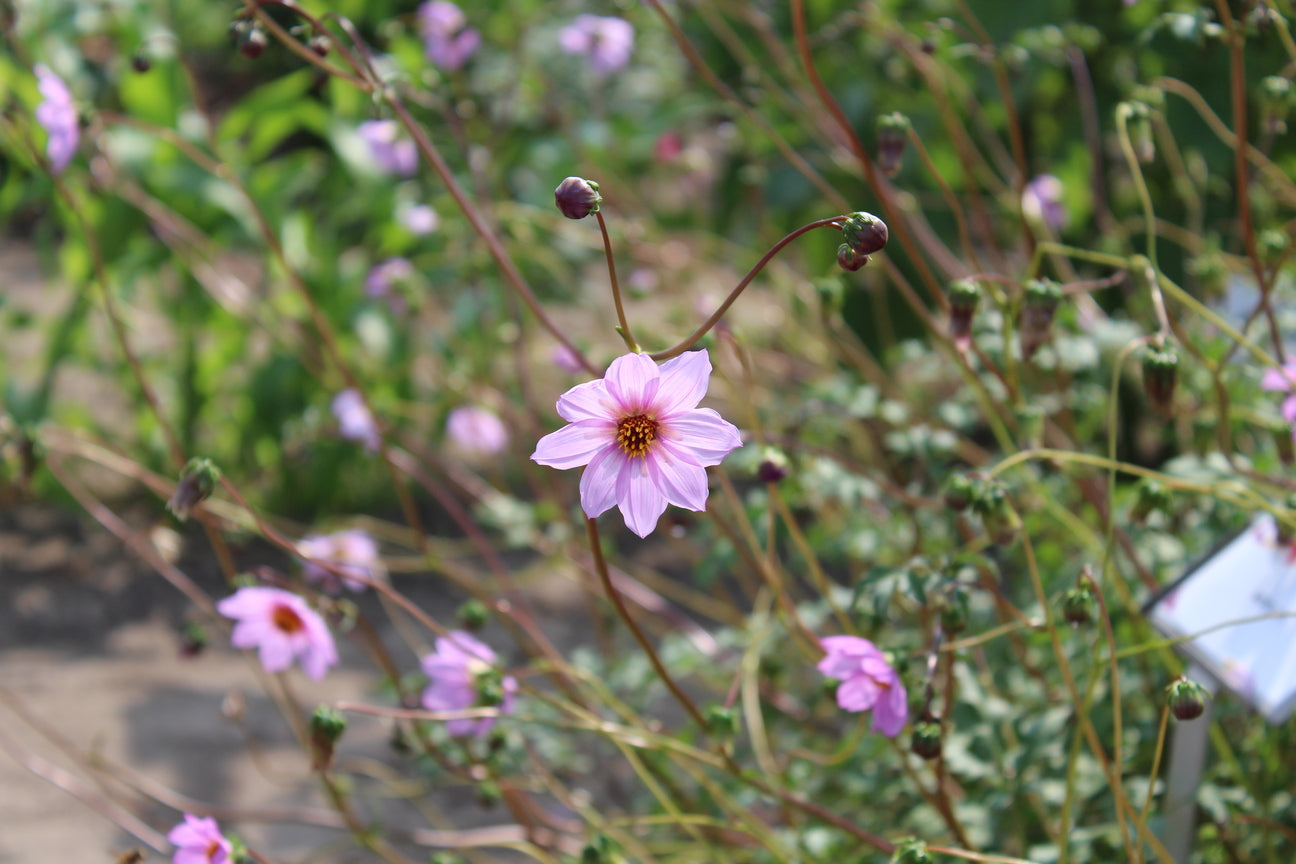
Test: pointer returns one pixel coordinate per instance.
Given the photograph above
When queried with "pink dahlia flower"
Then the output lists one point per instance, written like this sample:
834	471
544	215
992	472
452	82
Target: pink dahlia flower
477	430
605	42
643	441
199	841
867	682
1283	380
355	423
282	628
354	553
455	671
58	115
448	41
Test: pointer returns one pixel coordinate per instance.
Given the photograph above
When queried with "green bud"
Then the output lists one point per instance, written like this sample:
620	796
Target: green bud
1160	375
1040	303
864	233
926	739
1078	605
722	722
959	491
1187	698
326	728
473	615
911	851
489	684
197	482
997	514
964	297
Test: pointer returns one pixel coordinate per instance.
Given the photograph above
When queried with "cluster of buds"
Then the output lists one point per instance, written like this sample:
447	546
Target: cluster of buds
1187	698
892	135
250	37
964	297
1039	306
864	234
1160	375
577	197
1275	103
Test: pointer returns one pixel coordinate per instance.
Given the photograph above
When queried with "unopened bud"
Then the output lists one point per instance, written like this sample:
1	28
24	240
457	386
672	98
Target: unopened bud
997	514
1078	605
252	41
197	482
1160	375
320	44
892	135
959	491
599	850
577	197
1039	306
911	851
489	685
326	728
865	233
773	466
850	260
1187	698
926	739
964	297
1150	497
721	722
473	614
954	610
193	640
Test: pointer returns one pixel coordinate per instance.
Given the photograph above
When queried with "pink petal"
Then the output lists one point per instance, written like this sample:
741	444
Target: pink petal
632	380
588	401
891	711
641	502
839	666
684	484
191	855
575	444
684	382
856	645
703	433
276	652
251	632
858	694
1289	409
466	645
1278	379
598	483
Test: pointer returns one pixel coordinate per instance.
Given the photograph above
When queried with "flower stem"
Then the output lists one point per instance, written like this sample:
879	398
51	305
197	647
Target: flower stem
616	286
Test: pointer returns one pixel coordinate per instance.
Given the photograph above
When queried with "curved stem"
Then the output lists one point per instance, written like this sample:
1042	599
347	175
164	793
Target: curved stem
616	286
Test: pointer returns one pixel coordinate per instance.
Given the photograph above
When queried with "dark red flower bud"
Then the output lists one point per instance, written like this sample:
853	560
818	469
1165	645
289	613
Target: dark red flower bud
865	233
926	740
892	133
1187	698
197	482
1078	605
773	466
1160	375
252	42
326	728
964	297
850	260
1039	306
577	197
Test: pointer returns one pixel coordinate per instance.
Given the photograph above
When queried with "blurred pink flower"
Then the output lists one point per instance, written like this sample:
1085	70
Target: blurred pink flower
355	423
419	219
199	841
642	438
447	40
605	42
353	552
282	628
381	277
58	115
867	682
565	359
454	671
391	151
1283	380
476	430
1042	200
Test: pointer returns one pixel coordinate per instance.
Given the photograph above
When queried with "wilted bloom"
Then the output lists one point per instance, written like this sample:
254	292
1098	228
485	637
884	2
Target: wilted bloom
282	628
641	438
476	430
391	151
1283	380
1042	201
462	675
58	115
199	841
868	682
419	219
355	423
447	40
605	42
353	552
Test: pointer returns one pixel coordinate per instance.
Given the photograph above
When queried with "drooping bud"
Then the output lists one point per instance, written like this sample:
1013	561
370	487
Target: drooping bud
925	742
911	851
252	41
472	615
1187	698
850	260
1150	497
997	513
1275	103
577	197
1078	605
865	233
1039	306
959	491
892	135
773	466
1160	375
326	728
1139	124
964	297
197	482
954	610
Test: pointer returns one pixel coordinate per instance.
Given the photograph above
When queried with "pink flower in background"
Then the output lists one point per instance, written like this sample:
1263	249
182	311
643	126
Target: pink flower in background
605	42
353	552
419	219
867	682
355	423
199	841
1042	200
565	359
282	628
58	115
643	441
477	430
454	671
447	40
391	151
381	277
1283	380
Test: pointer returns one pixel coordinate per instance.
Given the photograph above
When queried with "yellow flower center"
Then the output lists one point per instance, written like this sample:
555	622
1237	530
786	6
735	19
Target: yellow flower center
636	434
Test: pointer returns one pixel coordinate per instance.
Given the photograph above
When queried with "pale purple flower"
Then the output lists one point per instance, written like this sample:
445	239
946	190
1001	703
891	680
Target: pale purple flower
566	359
1283	380
605	42
282	628
867	682
643	441
477	430
58	115
447	40
419	219
1042	200
353	552
355	423
381	277
391	151
199	841
455	673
